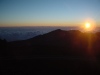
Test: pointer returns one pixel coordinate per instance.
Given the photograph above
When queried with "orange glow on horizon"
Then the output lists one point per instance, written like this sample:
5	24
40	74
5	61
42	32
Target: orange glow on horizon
64	23
38	24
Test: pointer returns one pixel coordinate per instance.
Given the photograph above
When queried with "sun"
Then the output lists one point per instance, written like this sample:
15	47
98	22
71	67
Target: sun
88	25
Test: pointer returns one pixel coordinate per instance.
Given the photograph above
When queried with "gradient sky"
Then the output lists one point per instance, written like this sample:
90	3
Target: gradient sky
48	12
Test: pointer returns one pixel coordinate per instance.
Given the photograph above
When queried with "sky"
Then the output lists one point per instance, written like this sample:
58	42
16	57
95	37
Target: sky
48	12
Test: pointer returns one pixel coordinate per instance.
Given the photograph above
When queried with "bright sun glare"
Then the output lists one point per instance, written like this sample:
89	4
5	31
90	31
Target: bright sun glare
87	25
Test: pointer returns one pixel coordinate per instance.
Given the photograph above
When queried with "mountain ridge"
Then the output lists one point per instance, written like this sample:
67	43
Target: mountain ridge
56	43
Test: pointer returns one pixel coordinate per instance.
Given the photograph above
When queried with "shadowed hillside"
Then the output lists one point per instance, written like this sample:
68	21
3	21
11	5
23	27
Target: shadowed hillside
63	52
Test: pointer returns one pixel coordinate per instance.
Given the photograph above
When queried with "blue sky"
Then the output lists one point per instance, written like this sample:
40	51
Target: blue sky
39	12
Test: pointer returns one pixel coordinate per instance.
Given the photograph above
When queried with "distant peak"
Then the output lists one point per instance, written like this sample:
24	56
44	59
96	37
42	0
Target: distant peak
57	30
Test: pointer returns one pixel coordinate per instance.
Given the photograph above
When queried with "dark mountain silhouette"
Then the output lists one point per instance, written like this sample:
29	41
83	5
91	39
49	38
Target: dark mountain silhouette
56	52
